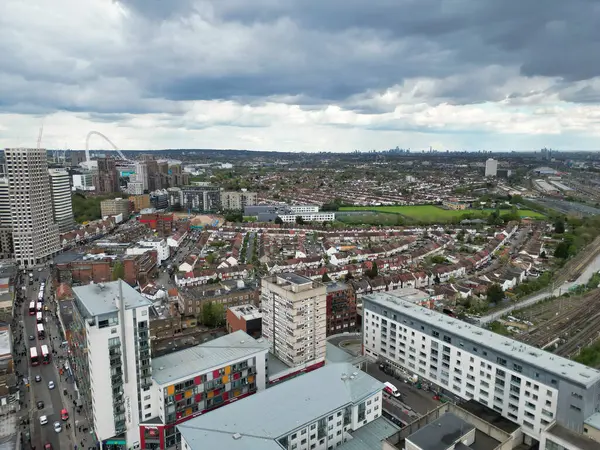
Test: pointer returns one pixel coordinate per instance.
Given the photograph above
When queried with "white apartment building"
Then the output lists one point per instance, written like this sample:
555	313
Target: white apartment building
294	318
35	235
83	182
158	244
309	217
6	245
238	200
110	356
60	186
141	175
301	209
527	385
318	411
197	380
491	168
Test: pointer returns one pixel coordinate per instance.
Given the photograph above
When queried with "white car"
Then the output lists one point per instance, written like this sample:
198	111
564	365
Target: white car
43	420
50	384
57	427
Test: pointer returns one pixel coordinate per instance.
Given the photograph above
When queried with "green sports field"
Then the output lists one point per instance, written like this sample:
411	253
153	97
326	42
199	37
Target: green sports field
433	214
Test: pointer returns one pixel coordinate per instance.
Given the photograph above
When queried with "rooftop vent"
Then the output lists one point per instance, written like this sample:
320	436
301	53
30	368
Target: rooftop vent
354	374
344	377
237	436
161	368
242	341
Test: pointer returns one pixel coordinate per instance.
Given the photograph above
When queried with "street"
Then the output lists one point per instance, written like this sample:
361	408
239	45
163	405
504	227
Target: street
54	400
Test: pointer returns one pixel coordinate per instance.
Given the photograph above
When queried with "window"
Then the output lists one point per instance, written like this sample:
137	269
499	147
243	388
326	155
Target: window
501	361
518	368
575	408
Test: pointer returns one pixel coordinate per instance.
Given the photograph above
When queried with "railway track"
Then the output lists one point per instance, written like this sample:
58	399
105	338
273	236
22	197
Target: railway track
570	328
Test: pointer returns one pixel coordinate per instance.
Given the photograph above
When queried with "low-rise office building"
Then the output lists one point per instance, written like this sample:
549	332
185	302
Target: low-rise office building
194	381
527	385
115	206
238	200
319	410
309	217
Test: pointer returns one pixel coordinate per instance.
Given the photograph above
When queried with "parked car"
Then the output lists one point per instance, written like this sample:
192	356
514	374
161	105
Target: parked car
57	427
43	420
64	414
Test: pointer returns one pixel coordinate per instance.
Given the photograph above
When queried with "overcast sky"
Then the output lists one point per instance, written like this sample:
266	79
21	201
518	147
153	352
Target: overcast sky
303	75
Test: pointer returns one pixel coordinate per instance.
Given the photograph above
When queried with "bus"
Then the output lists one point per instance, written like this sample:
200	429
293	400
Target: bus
39	306
38	318
45	354
41	295
33	356
32	308
40	331
391	389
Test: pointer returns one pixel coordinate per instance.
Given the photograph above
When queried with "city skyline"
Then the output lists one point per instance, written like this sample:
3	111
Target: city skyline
294	76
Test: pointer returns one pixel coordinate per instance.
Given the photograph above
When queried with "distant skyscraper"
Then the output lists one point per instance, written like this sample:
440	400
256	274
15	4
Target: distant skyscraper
491	167
141	174
35	235
106	179
62	205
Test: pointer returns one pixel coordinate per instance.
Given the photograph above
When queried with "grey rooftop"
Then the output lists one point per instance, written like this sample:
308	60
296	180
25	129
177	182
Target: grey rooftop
441	433
99	299
527	354
210	355
283	408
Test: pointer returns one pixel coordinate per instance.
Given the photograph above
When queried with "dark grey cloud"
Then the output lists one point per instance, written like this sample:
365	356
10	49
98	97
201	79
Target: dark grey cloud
306	52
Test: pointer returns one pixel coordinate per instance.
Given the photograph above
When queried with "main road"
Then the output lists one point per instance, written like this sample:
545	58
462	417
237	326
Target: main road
585	276
39	391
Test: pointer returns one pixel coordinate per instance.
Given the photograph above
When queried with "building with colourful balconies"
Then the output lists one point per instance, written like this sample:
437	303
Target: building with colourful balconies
194	381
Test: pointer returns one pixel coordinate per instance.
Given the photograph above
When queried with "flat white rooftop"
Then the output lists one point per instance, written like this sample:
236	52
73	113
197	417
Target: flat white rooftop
529	355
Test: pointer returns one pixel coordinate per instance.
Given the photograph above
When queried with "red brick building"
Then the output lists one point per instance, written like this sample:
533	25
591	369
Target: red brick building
246	318
161	223
341	308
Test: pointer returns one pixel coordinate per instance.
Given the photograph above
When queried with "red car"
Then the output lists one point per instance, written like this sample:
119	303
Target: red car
48	446
64	414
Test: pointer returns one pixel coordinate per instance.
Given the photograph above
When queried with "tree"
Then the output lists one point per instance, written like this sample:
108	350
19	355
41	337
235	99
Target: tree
372	273
495	294
213	314
210	258
299	220
562	250
278	220
325	278
118	271
559	226
207	314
